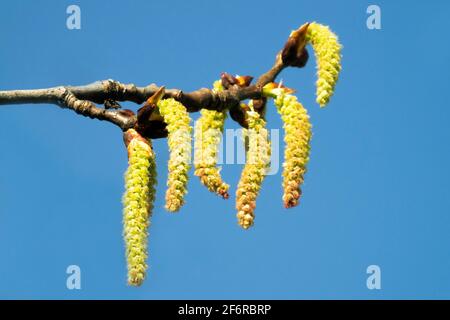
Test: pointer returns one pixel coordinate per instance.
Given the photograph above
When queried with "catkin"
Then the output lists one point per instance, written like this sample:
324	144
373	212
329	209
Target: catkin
297	137
179	141
327	50
140	181
257	161
208	131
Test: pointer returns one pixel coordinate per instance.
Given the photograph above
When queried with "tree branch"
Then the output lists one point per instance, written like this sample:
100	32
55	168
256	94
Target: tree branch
83	99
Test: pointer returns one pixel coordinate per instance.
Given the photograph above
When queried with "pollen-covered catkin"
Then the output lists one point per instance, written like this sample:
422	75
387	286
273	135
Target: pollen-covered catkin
140	180
297	137
208	131
257	161
327	50
179	140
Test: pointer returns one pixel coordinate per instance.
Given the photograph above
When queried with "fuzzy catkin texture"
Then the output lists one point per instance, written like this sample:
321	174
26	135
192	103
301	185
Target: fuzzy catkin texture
257	162
208	132
179	139
297	137
140	180
328	56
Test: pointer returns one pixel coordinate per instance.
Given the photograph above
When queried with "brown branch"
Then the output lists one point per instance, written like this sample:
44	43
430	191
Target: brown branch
102	91
83	99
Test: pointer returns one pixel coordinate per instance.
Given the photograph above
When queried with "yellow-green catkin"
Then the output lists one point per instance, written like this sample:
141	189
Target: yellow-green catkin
179	139
257	162
327	50
297	137
140	181
208	131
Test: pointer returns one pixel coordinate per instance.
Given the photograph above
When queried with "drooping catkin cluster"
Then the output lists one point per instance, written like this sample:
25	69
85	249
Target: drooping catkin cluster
297	137
257	161
179	140
208	132
327	50
140	181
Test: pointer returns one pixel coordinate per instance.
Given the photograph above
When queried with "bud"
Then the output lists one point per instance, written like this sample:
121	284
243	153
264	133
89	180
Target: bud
243	81
228	80
273	90
147	126
294	53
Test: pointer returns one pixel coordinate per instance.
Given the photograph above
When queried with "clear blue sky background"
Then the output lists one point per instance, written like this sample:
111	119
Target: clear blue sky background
377	190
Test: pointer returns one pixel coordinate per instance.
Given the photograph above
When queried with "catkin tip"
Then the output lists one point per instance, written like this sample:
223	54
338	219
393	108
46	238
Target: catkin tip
136	279
224	194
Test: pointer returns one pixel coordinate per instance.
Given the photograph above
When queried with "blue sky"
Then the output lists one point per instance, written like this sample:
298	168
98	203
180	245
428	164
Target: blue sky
376	191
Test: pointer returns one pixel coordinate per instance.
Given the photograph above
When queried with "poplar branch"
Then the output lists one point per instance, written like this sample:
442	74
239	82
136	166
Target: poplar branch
85	99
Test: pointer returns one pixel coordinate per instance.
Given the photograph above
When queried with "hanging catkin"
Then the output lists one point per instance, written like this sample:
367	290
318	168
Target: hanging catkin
297	137
257	161
140	181
327	50
208	132
179	140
